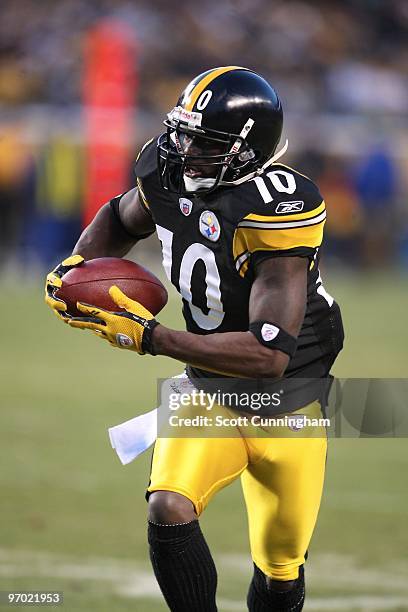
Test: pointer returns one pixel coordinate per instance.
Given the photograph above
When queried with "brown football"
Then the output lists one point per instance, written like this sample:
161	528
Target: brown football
90	283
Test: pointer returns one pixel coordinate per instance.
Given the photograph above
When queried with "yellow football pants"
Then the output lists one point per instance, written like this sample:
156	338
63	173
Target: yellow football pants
282	473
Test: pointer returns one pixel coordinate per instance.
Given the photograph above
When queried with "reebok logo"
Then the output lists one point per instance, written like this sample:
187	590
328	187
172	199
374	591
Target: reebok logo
289	207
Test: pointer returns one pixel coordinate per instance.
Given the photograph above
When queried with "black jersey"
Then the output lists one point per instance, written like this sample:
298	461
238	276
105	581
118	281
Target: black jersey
212	244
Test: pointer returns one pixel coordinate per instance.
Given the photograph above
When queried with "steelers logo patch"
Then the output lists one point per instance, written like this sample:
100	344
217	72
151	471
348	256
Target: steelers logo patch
209	226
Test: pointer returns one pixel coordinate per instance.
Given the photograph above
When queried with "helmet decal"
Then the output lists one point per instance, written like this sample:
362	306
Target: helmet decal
181	114
204	82
204	99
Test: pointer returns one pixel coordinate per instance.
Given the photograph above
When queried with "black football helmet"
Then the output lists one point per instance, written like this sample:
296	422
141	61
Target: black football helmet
224	130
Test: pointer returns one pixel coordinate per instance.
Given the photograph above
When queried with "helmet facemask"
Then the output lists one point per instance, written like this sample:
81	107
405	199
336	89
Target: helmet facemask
193	159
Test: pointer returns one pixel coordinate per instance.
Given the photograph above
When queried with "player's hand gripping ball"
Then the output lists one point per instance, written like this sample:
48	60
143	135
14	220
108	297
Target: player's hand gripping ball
131	329
116	298
53	283
89	282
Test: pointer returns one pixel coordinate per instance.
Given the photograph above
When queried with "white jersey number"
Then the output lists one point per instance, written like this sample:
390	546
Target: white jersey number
284	182
194	253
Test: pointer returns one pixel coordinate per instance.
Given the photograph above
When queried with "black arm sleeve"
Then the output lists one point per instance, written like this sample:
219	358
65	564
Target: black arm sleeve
114	204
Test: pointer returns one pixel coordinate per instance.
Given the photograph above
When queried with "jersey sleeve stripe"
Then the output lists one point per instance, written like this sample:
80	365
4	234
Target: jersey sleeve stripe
263	239
248	240
283	219
241	259
283	224
143	148
144	201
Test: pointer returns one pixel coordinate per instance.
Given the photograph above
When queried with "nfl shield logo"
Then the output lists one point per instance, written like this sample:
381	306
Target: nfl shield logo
269	332
124	340
209	226
186	206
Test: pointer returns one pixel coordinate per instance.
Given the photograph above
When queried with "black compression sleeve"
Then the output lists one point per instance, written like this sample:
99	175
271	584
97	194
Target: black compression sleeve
114	204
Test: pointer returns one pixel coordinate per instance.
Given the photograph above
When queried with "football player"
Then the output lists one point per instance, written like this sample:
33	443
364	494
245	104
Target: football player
240	235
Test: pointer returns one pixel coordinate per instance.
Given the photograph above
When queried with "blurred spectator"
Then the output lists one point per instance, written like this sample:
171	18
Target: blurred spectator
344	227
14	161
377	187
54	217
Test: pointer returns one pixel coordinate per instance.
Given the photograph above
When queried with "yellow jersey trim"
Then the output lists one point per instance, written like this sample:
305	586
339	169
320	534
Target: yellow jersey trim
283	218
293	170
248	240
143	148
141	192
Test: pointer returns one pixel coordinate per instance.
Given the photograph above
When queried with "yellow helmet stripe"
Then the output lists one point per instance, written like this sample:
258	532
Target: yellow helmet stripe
201	85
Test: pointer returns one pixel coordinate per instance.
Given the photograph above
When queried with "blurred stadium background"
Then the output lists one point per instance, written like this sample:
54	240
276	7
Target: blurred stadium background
83	84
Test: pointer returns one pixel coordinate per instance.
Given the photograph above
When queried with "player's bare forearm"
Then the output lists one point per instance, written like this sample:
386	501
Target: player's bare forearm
232	353
278	295
103	237
106	236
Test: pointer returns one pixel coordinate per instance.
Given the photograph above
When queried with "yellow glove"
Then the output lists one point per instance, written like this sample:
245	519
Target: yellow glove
54	282
130	330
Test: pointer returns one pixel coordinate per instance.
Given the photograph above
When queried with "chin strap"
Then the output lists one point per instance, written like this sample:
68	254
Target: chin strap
268	163
194	184
275	157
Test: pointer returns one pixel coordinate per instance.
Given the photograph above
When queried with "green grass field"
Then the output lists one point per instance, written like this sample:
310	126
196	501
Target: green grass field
73	519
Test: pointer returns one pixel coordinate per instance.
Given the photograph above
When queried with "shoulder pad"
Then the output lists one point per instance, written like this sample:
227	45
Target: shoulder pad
282	212
146	161
283	191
